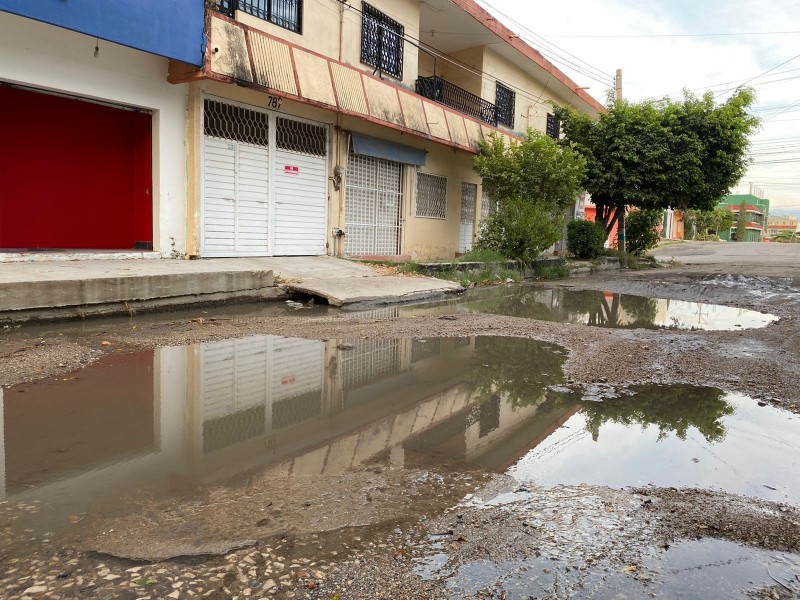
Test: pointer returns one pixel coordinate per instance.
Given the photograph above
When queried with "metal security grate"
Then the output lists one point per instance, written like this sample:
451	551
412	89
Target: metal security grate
431	196
231	429
488	206
505	105
444	92
422	349
469	192
284	13
369	361
305	138
381	41
296	409
373	199
231	122
553	126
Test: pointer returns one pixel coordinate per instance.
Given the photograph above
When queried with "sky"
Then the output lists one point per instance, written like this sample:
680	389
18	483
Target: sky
664	46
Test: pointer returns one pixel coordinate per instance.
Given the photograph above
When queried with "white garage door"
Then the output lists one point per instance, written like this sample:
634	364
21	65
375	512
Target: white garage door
235	181
301	188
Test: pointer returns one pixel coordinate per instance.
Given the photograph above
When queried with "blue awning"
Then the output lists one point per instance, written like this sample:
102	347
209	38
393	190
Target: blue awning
369	146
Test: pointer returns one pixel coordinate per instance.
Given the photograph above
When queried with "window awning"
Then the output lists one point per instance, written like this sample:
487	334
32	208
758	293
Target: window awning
369	146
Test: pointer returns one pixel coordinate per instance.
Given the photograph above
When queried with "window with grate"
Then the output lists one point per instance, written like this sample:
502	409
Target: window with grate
431	196
553	126
283	13
231	122
504	100
305	138
488	206
381	41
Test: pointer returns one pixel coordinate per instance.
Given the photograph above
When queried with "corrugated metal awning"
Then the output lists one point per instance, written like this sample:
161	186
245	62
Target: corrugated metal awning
369	146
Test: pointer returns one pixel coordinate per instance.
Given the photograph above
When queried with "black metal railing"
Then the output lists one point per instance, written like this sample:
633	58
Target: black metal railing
442	91
284	13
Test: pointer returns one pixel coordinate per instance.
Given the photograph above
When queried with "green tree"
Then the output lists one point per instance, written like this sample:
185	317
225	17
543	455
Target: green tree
533	182
741	223
706	223
641	230
661	154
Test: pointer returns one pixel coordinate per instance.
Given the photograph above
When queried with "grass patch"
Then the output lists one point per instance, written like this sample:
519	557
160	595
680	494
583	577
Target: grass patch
551	270
482	256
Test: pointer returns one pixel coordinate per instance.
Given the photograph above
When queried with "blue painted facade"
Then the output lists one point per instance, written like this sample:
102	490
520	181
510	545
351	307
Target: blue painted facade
169	28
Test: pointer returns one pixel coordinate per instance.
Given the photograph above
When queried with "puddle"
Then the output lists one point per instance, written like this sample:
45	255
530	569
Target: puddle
170	423
590	307
690	570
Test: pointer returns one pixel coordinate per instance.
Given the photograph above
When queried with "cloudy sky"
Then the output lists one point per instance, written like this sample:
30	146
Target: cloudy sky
663	46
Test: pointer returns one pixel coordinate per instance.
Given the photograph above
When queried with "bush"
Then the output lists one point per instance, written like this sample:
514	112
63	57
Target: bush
484	256
585	239
640	230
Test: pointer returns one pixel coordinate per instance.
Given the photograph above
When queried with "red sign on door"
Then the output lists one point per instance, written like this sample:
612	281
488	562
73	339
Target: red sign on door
291	170
287	379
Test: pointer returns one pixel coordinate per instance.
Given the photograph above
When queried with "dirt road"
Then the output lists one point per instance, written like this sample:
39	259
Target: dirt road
441	530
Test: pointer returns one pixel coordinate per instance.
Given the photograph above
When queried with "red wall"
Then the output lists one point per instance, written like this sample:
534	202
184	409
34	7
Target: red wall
73	174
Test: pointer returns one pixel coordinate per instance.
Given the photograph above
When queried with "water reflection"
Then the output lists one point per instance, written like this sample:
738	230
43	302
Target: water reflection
590	307
168	420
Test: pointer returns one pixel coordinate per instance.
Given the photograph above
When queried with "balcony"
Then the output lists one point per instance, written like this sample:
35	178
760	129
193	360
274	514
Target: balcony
437	89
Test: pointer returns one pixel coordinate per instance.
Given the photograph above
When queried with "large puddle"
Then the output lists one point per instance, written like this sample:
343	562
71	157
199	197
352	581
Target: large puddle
590	307
167	420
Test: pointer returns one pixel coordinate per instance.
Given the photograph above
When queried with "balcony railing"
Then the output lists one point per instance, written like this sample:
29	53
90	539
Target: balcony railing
437	89
284	13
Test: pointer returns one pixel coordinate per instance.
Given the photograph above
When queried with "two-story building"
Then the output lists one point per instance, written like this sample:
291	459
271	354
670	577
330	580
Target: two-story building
93	135
328	127
757	212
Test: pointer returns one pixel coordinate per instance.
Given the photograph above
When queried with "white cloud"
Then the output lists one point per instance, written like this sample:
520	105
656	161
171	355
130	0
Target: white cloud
655	66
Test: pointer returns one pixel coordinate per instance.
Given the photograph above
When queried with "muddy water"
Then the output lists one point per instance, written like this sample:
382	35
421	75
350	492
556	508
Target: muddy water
590	307
167	423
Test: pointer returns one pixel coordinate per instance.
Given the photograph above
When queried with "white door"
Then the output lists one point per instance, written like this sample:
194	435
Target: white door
235	207
372	206
469	196
301	188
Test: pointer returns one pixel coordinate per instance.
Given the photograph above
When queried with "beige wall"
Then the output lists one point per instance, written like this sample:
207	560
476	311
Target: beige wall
531	104
321	31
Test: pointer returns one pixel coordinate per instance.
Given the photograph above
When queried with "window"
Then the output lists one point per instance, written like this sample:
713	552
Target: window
431	196
553	127
283	13
504	100
381	41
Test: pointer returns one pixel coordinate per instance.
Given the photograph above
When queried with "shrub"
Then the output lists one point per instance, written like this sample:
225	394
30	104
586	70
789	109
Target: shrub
585	239
640	230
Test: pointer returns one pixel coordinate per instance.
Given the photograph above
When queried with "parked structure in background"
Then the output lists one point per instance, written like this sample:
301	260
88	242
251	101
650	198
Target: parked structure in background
93	134
673	227
757	214
779	224
350	129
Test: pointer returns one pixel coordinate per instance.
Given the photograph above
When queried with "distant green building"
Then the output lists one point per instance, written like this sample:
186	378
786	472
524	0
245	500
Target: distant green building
757	213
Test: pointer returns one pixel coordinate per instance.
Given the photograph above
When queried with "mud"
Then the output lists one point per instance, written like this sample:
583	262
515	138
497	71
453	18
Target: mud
449	532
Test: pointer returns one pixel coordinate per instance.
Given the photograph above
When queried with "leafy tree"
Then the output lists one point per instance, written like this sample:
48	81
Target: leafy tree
533	182
585	238
704	223
672	408
741	223
641	232
661	154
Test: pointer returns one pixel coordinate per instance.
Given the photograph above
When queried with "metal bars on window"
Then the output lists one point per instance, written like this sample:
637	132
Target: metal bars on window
488	206
381	41
431	196
283	13
504	101
442	91
553	126
468	193
231	122
297	136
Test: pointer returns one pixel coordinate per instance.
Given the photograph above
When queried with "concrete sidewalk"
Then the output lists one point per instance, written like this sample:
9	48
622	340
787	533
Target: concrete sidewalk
78	288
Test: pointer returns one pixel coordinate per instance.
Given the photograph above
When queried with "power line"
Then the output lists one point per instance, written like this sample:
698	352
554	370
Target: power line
674	35
758	76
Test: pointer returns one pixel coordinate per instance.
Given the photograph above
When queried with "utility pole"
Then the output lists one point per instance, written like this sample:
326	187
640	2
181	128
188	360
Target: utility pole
621	218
